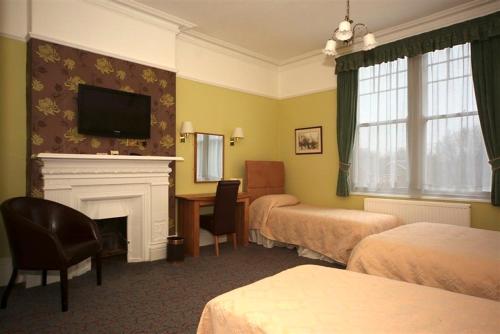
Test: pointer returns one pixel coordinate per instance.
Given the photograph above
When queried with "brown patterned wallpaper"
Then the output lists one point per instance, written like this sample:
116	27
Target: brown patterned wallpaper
54	72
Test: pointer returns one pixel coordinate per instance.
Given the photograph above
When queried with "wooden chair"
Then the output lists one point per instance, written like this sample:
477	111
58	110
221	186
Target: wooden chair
223	220
45	235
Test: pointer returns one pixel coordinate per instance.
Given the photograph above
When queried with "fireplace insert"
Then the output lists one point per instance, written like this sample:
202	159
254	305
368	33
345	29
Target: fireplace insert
114	236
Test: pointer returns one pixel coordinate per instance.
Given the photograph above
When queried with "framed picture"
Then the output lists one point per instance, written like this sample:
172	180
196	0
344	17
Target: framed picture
309	140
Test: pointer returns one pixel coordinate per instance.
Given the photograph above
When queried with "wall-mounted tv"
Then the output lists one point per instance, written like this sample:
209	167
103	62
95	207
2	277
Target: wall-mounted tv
113	113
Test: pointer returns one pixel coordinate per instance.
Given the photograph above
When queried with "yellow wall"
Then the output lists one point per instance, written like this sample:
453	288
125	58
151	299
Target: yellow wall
217	110
269	135
313	178
12	124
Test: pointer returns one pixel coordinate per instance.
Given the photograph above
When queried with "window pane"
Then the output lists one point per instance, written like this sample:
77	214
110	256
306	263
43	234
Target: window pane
380	161
383	148
455	160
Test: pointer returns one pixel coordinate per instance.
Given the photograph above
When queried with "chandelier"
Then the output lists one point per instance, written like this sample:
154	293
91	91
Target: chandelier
345	34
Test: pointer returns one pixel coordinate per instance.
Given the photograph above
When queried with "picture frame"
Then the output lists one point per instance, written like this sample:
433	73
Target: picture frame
309	140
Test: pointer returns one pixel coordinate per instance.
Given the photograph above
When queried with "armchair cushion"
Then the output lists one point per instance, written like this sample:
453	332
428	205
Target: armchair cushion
78	252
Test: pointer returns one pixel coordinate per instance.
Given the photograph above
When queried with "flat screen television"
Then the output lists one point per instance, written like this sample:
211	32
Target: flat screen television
113	113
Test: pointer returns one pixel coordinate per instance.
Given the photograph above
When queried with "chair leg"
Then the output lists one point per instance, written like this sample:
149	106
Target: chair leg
98	268
234	240
64	289
216	241
9	287
44	277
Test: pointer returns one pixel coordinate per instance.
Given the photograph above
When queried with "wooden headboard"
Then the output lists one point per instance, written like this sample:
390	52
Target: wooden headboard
264	178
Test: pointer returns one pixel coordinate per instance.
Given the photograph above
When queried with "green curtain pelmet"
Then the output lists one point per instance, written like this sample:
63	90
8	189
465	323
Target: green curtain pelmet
479	29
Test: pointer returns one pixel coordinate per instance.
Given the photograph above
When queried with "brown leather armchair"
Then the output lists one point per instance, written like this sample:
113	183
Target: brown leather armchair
45	235
223	220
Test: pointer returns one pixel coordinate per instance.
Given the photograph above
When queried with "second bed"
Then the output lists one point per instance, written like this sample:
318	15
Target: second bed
316	231
455	258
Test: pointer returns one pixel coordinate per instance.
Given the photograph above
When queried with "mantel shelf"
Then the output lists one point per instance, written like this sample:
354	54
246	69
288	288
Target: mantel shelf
104	157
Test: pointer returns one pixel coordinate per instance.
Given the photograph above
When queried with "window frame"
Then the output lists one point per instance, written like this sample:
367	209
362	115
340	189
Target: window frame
416	124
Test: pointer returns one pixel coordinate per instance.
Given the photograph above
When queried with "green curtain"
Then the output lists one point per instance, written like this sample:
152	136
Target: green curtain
479	29
485	59
347	99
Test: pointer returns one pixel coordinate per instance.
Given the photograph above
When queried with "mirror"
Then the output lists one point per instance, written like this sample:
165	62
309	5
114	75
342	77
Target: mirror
209	157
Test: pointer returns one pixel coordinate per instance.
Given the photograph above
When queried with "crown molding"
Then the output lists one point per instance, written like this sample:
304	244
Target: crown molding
305	59
447	17
144	13
101	52
300	58
230	47
181	23
15	37
226	48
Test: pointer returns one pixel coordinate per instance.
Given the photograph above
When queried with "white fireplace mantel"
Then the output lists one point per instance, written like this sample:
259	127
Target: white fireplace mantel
107	186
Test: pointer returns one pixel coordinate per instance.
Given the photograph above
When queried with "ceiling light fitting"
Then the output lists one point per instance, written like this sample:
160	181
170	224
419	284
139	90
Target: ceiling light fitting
345	34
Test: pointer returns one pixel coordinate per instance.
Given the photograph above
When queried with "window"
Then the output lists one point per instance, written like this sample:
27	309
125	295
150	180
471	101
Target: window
418	130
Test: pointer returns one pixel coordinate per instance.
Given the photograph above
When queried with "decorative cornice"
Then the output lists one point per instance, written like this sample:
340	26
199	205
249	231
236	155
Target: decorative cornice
144	13
225	47
15	37
134	5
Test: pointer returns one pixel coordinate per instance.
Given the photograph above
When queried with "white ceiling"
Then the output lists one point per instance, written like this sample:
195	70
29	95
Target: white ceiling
282	29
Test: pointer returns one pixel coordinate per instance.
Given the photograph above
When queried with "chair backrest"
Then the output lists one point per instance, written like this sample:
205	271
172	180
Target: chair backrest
225	207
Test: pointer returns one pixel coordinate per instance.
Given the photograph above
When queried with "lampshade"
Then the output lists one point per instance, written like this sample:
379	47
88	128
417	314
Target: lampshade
330	48
369	41
344	31
187	127
238	133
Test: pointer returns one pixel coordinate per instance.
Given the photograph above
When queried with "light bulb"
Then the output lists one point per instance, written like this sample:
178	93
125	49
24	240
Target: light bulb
344	31
330	48
369	42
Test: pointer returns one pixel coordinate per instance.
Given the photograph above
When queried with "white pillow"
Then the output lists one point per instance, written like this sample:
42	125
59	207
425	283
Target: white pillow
277	200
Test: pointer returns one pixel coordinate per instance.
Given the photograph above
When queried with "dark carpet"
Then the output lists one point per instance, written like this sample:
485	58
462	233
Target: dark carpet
149	297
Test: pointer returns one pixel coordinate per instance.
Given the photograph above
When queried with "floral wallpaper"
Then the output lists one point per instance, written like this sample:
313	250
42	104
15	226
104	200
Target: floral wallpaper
54	73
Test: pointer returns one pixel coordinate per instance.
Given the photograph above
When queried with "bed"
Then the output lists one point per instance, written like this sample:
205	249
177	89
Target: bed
280	219
317	299
455	258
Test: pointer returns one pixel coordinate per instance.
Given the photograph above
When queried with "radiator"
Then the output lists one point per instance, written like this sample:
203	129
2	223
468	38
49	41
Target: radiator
421	211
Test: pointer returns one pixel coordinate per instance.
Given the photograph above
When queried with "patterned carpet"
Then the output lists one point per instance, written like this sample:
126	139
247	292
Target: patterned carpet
152	297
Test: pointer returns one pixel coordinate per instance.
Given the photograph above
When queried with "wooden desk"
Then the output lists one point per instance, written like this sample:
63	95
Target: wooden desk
189	219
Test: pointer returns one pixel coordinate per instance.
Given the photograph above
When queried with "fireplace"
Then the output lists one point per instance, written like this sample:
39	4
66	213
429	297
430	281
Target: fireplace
114	236
106	187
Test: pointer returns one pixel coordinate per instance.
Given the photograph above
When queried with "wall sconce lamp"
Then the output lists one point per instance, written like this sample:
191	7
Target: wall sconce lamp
237	134
186	130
